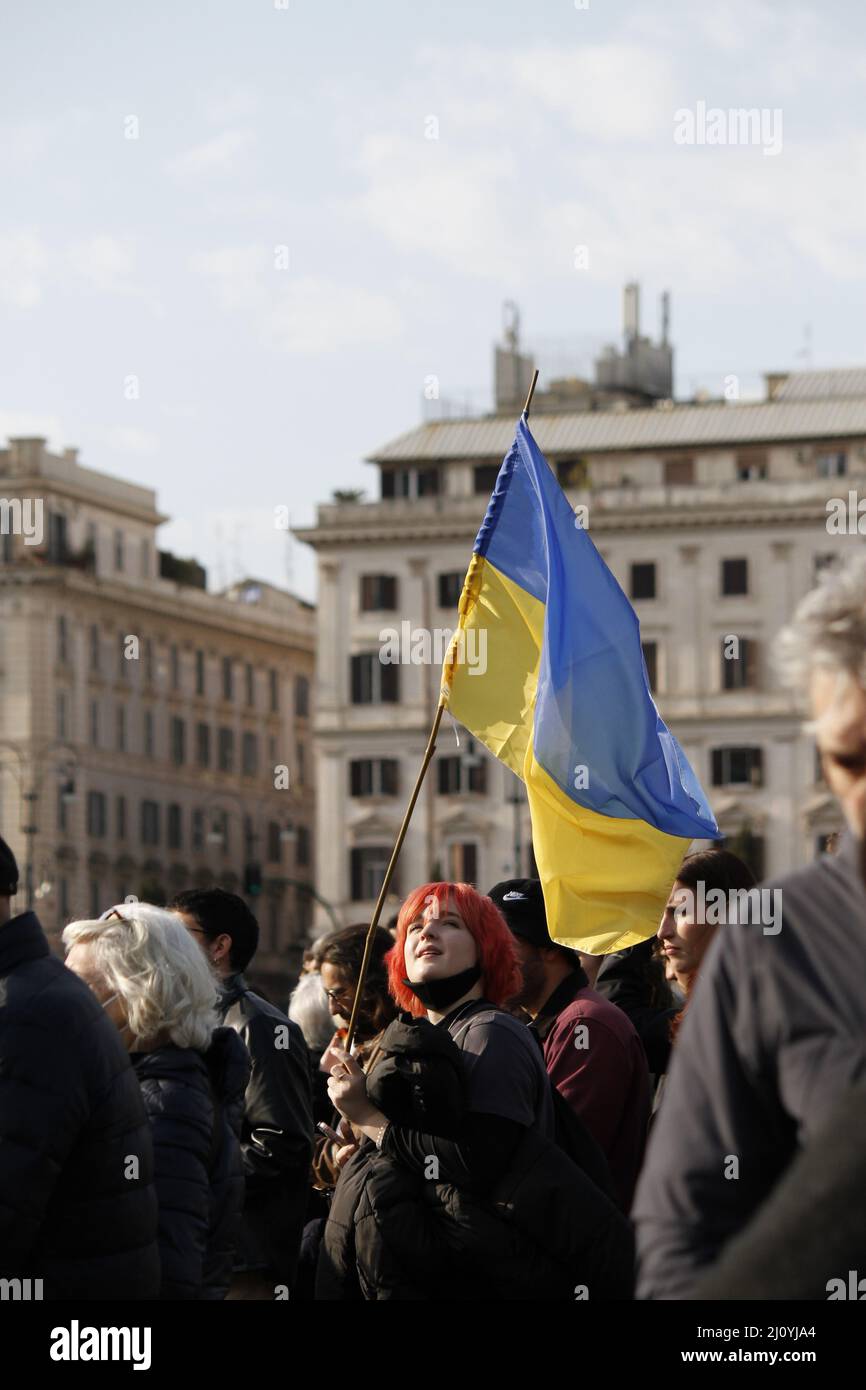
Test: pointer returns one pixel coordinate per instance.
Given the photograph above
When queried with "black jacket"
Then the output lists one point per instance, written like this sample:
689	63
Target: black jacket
774	1032
73	1210
538	1230
277	1132
632	980
198	1171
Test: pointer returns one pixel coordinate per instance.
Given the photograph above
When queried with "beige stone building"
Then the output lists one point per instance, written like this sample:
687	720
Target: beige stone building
148	728
713	516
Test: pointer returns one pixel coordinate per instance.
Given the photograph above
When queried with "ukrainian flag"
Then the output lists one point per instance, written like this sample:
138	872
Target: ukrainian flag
564	701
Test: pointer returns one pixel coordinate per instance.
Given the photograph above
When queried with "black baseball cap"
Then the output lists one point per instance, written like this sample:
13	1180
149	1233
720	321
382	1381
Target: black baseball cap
8	871
521	902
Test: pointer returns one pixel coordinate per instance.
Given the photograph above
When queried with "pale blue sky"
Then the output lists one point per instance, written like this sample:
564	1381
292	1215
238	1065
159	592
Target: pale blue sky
304	127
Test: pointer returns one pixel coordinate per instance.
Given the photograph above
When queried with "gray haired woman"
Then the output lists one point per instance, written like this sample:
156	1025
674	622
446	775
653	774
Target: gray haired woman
157	988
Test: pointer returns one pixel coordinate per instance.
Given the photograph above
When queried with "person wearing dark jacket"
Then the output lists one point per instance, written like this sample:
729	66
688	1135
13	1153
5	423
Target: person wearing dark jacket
72	1213
593	1055
808	1241
634	980
157	988
277	1133
460	1191
776	1028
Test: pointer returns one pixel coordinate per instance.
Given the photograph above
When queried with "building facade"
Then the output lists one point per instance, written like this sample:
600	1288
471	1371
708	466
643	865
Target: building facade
714	516
153	736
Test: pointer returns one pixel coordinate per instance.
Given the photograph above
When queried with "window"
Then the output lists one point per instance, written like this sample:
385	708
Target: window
62	639
820	563
178	742
831	465
95	897
6	555
373	777
484	477
818	767
738	663
679	472
62	725
58	544
378	593
302	697
148	660
149	823
274	843
94	647
650	656
118	551
202	744
225	749
410	482
174	658
643	580
301	760
466	774
64	900
228	678
94	723
122	663
373	682
174	827
148	733
273	691
198	829
571	473
463	863
735	577
250	755
367	867
738	767
121	728
751	465
145	557
120	817
96	814
61	807
250	685
450	589
302	846
199	673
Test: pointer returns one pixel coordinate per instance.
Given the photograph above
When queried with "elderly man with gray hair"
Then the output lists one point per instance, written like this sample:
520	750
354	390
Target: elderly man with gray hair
776	1031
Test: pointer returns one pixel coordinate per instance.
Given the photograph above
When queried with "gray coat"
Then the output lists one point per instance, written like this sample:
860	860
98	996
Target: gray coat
775	1031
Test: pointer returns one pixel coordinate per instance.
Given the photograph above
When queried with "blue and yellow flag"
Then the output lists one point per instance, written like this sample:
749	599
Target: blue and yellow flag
562	698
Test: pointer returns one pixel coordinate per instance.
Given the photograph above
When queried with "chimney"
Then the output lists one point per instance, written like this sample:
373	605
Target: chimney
631	311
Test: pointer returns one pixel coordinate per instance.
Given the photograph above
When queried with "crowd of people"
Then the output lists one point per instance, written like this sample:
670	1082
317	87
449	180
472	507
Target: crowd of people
515	1119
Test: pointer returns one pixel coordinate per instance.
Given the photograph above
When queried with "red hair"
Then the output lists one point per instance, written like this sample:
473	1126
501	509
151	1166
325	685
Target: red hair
500	973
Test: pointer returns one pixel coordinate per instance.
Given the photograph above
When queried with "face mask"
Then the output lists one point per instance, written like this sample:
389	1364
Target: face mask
439	994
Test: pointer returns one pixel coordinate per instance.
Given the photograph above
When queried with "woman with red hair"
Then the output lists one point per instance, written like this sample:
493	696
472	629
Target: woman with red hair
461	1191
454	961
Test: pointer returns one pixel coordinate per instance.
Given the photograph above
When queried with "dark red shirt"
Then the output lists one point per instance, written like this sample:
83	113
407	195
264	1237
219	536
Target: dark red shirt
596	1061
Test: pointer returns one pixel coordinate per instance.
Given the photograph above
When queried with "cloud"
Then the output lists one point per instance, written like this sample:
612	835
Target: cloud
24	265
309	313
220	155
24	424
103	261
129	440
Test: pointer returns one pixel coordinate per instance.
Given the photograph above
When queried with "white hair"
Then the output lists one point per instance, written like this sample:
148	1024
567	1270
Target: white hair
308	1007
148	958
828	629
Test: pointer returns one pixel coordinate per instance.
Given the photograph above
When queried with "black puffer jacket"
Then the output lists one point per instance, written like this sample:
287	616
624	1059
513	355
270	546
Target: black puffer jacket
71	1115
543	1231
197	1159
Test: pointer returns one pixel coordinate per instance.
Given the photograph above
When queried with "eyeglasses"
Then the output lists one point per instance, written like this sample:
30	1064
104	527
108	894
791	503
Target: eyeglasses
347	992
113	912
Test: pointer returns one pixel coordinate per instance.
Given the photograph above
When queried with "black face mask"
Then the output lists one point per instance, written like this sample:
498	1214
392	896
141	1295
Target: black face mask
439	994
